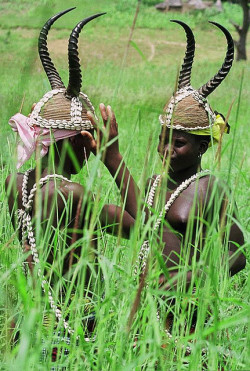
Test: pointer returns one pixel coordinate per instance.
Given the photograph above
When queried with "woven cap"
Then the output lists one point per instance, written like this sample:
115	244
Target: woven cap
56	111
187	110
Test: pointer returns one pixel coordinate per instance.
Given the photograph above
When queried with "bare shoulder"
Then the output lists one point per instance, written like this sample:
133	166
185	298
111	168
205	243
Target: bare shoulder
13	188
59	194
211	184
210	191
73	187
63	189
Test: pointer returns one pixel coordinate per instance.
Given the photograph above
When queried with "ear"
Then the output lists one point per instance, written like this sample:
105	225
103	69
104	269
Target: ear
203	146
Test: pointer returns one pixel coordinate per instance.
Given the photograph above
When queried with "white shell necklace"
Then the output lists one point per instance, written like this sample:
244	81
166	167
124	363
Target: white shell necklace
25	223
140	264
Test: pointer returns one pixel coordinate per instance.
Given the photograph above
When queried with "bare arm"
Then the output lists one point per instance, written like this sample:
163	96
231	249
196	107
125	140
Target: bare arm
118	222
237	259
107	136
13	186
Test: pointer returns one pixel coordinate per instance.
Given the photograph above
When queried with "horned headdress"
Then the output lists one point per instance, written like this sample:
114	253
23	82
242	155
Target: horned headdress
63	108
188	108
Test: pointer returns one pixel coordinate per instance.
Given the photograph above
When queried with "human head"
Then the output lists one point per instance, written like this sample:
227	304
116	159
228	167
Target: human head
62	112
188	109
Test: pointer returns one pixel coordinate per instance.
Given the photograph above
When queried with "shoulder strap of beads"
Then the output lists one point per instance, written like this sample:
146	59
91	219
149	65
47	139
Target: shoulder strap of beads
40	184
184	185
25	187
27	230
144	250
151	194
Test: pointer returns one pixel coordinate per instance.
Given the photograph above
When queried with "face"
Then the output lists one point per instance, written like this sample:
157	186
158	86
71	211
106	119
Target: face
182	149
81	150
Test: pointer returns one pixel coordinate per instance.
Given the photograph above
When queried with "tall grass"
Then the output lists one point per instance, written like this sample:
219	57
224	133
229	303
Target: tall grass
141	91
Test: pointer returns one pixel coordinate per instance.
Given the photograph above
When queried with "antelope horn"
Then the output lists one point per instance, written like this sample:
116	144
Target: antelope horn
75	76
212	84
49	68
185	73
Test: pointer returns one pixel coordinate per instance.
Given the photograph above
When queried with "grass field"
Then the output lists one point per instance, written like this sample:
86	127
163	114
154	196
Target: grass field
136	82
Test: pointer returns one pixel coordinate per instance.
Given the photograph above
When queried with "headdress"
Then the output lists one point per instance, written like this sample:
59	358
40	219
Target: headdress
188	108
63	108
62	112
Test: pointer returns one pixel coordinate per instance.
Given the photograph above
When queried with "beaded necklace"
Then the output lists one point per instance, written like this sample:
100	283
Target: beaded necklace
140	264
24	222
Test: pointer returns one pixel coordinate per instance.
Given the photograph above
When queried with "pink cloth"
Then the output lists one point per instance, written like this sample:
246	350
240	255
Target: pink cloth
32	136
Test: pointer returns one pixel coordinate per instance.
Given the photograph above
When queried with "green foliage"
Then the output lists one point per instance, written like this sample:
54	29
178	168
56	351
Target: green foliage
137	87
119	13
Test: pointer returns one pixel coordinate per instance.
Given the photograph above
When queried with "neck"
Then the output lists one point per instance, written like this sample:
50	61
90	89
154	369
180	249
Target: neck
177	177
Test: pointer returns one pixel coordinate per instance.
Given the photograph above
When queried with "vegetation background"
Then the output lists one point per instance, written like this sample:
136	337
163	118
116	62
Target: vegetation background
136	80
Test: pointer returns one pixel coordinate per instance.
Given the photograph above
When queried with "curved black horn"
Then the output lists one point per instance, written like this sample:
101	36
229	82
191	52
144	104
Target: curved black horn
212	84
185	73
75	76
53	76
